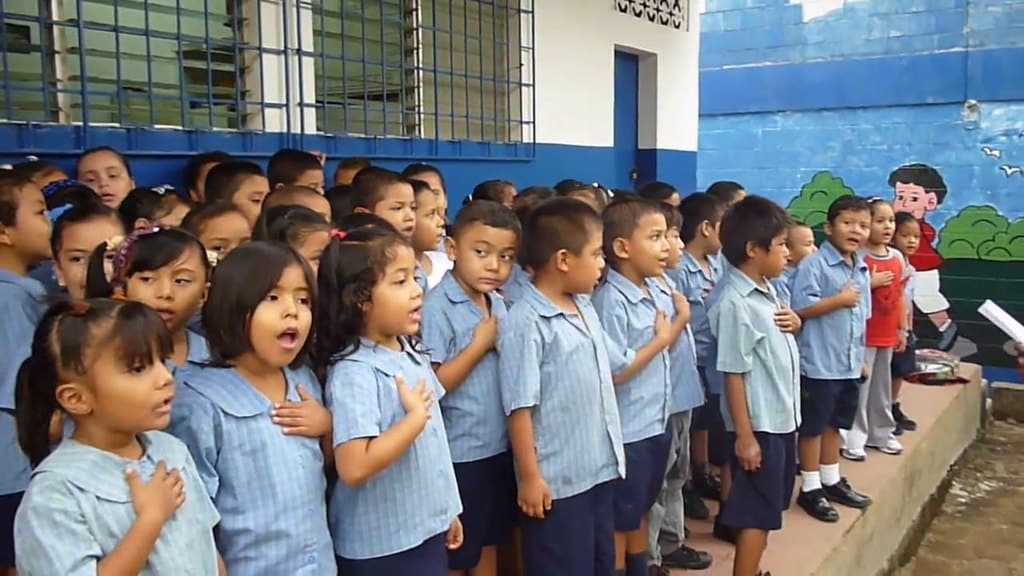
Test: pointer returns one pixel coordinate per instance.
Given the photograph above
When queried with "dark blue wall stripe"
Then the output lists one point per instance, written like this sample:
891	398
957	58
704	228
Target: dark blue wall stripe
158	156
855	83
995	75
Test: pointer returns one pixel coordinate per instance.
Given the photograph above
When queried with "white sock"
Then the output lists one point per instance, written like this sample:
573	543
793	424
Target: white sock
811	481
945	325
830	474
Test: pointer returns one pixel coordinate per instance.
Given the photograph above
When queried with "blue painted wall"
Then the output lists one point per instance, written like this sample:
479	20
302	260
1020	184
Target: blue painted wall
790	90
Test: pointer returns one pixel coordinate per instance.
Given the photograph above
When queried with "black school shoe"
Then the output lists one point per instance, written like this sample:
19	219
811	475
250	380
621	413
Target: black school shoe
843	493
686	558
816	504
902	422
707	486
693	507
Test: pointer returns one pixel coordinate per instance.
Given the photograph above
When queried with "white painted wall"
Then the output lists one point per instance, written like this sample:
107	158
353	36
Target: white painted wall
576	42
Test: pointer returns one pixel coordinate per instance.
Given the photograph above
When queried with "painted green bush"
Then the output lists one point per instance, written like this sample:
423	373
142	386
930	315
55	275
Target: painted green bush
811	206
982	233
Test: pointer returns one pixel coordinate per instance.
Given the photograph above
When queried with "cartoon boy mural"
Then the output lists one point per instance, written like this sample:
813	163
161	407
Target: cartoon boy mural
920	189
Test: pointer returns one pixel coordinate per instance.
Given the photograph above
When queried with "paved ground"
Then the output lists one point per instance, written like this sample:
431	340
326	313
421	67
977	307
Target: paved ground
980	528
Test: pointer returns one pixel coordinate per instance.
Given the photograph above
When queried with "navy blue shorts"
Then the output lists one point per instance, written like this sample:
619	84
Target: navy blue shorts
488	491
8	508
905	363
710	415
645	473
827	404
576	537
428	559
758	499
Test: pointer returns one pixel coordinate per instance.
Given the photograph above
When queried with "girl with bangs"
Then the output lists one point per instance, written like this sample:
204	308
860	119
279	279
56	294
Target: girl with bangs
111	499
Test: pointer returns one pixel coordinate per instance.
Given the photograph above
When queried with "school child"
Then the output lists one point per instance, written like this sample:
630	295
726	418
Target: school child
460	328
635	318
117	496
758	355
555	368
529	197
727	192
24	242
831	293
904	363
433	177
145	207
800	243
395	509
295	195
386	194
164	268
592	194
63	192
500	191
299	227
197	168
886	332
347	170
431	265
240	183
519	279
289	167
221	227
665	520
39	172
107	171
77	231
252	419
660	192
696	277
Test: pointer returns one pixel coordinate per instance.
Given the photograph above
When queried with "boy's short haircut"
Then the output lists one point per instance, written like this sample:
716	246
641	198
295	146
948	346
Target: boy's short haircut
696	209
557	224
355	164
657	191
224	179
368	186
11	184
197	219
847	203
488	213
195	164
287	165
753	220
489	190
416	168
621	218
904	218
725	191
419	187
672	216
340	197
287	194
921	175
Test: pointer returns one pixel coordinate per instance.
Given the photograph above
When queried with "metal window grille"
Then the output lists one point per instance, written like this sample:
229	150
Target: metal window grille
434	69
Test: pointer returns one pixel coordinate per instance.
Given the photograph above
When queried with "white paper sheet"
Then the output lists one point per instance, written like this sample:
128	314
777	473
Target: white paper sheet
1002	320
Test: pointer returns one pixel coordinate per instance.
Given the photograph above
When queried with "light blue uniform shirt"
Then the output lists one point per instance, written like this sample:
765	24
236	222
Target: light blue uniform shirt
420	276
22	303
78	508
687	391
473	416
269	488
198	352
559	365
416	497
515	285
783	283
627	313
696	284
749	343
832	346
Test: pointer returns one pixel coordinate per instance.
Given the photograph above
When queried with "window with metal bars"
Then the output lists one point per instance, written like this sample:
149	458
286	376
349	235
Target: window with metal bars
439	69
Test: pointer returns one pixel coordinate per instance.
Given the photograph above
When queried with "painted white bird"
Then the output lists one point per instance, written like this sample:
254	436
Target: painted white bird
991	152
1010	171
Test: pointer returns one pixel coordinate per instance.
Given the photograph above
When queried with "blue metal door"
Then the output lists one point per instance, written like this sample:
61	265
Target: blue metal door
627	78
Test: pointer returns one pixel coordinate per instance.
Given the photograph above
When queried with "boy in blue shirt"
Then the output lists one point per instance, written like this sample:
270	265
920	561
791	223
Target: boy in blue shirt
24	242
758	356
696	278
636	317
460	327
801	245
555	368
832	294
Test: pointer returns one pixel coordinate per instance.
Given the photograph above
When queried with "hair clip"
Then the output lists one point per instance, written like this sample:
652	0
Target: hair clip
56	213
338	235
163	189
58	185
873	199
121	254
79	308
114	242
31	158
213	258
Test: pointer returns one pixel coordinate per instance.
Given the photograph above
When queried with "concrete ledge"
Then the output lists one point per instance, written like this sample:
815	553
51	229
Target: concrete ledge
1007	401
867	544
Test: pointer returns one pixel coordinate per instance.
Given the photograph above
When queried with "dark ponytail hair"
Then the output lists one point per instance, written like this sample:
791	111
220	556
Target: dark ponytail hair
141	251
290	224
147	204
349	269
66	337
